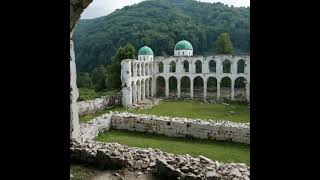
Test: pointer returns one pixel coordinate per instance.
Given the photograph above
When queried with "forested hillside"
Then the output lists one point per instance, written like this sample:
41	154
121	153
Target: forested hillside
160	24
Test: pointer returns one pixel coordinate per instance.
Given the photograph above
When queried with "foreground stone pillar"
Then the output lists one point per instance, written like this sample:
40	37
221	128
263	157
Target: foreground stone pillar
167	87
74	94
218	90
191	88
147	88
178	88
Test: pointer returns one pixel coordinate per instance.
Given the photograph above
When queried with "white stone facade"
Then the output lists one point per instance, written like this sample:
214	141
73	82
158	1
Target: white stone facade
139	77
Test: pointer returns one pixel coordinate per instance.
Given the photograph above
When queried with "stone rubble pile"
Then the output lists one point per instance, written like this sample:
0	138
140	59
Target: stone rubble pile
91	106
182	127
184	167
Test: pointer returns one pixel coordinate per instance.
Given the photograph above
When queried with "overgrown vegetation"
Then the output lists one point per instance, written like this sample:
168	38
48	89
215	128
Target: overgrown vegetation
215	150
89	94
160	24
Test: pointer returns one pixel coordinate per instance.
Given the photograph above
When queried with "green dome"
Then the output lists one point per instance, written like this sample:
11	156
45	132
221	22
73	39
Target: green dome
145	50
183	45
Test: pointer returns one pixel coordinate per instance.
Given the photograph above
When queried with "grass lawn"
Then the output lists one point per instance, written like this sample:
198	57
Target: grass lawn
89	94
235	112
215	150
82	172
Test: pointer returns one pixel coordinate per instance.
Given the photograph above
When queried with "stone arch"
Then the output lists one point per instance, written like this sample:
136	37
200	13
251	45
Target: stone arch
160	86
198	87
241	66
198	66
240	88
150	69
160	66
173	86
212	88
212	66
226	66
185	64
225	87
172	67
185	86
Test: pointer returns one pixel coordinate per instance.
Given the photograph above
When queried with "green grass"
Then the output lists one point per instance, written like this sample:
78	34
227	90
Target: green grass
215	150
88	117
236	112
82	172
89	94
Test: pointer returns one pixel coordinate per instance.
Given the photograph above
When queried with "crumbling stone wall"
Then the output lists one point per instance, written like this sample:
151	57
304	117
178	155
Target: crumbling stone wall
91	106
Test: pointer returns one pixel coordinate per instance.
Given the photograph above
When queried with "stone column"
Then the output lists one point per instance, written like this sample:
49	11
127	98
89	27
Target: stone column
248	91
218	89
167	87
139	92
232	89
74	94
191	88
178	88
205	89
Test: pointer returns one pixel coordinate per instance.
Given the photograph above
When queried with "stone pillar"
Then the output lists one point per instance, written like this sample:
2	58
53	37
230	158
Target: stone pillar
205	89
218	89
248	91
191	88
167	87
232	89
178	88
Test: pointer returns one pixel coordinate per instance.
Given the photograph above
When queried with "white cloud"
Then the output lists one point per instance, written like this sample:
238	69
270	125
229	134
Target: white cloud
103	7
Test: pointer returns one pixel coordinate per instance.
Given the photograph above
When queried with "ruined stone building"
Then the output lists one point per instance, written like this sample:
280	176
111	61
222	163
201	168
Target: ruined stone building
184	75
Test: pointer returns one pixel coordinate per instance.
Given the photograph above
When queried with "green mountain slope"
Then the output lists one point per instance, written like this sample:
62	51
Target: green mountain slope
160	24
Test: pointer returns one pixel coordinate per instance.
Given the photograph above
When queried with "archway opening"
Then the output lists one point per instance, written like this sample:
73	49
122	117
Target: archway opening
150	87
146	69
172	67
198	66
240	66
198	87
186	66
133	88
240	88
212	88
160	87
160	67
173	86
138	69
212	66
142	69
185	86
150	69
131	69
226	66
225	87
138	91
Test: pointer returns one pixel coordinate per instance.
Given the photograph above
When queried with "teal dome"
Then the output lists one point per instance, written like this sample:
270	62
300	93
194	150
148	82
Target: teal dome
145	50
183	45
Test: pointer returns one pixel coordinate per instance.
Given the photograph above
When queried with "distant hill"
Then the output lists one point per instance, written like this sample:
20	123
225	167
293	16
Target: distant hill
160	24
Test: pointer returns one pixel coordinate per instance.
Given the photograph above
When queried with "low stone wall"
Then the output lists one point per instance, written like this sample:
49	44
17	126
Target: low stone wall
183	127
91	106
91	129
183	167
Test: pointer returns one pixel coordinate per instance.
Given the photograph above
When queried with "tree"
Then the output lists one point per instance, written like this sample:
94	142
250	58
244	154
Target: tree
98	77
84	80
114	69
224	44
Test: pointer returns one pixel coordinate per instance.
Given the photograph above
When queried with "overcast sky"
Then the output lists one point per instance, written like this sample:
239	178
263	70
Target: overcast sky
103	7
